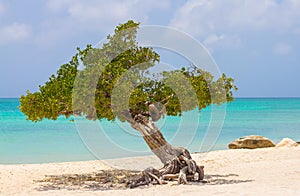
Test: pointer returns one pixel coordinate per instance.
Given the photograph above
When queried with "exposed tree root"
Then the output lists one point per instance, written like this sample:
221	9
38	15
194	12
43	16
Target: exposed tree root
182	168
178	163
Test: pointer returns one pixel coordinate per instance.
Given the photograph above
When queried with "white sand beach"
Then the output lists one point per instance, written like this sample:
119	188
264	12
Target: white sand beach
268	171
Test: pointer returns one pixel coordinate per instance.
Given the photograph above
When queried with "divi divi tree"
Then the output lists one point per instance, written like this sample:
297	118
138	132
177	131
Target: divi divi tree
113	82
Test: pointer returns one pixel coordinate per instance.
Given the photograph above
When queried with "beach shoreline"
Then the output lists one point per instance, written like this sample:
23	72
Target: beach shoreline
260	171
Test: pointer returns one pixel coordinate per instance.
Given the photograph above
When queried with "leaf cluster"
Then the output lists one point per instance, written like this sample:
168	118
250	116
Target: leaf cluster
107	82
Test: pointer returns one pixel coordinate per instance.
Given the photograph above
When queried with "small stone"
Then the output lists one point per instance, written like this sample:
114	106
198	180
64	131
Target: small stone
287	142
251	142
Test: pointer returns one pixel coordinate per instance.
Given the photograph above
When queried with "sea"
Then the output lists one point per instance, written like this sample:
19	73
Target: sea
78	139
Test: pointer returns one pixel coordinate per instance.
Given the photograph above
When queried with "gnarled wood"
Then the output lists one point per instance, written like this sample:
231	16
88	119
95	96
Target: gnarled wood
178	163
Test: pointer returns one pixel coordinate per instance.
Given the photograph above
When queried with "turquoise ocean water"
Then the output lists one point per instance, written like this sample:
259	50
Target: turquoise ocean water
23	141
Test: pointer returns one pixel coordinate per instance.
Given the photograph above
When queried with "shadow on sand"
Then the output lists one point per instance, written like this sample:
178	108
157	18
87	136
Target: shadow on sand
116	180
224	179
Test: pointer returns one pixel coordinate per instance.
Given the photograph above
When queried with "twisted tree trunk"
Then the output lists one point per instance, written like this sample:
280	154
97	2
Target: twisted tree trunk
178	163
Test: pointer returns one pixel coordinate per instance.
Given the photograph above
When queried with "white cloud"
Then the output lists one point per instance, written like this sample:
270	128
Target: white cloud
76	16
213	41
58	5
202	17
2	8
106	10
282	49
14	33
101	13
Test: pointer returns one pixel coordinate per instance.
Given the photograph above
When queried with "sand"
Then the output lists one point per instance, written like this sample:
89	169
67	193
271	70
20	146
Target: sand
268	171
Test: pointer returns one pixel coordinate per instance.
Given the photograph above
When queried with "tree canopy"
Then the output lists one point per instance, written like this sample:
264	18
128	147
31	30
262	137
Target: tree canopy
123	84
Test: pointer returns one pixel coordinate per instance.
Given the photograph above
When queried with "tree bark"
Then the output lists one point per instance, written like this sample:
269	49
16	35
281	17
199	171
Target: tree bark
176	160
155	140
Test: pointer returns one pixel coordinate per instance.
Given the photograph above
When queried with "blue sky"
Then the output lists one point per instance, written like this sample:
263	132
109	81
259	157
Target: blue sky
257	42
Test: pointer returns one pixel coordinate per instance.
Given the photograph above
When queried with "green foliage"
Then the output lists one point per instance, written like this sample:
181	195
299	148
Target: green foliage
54	98
106	82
